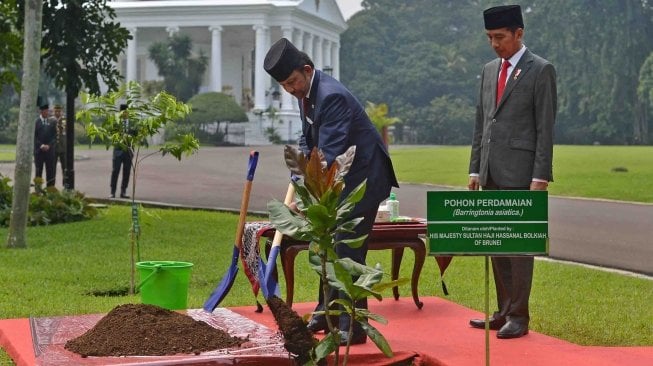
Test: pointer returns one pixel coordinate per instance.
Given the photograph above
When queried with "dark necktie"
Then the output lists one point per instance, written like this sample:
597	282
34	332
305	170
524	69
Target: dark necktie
305	107
503	75
312	128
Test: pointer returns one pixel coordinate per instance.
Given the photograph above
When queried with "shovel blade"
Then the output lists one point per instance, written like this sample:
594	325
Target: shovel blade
225	285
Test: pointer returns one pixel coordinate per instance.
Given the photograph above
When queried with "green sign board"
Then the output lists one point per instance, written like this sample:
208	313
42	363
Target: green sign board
487	222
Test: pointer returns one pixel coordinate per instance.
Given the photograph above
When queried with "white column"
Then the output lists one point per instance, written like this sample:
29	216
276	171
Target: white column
268	80
336	60
286	98
172	30
318	60
259	72
299	40
299	43
216	59
308	46
328	61
131	56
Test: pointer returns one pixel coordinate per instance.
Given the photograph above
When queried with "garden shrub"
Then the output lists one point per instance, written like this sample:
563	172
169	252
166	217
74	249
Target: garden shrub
47	206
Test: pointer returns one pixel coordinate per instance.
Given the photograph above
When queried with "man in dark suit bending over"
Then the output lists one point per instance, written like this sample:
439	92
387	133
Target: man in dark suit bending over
512	148
333	120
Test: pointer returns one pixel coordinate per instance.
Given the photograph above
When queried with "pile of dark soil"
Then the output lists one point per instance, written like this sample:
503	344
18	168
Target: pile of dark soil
148	330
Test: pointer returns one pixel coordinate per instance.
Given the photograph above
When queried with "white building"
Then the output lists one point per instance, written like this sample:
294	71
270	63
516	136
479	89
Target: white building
235	35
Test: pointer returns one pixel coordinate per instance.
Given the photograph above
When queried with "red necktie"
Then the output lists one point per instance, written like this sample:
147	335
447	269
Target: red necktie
502	79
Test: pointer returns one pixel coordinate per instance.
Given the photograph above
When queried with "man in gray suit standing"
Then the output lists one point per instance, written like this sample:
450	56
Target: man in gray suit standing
512	148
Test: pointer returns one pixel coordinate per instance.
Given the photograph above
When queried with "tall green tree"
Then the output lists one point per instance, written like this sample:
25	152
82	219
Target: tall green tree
10	43
25	140
598	51
645	93
413	52
409	53
81	43
182	73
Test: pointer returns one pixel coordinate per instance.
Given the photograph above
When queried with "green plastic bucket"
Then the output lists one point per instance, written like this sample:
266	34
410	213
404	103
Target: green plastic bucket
164	283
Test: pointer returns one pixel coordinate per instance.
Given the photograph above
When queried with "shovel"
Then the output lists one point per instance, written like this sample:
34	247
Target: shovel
268	285
228	279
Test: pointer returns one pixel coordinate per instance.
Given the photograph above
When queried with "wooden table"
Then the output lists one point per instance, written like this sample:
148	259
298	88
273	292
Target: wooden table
394	236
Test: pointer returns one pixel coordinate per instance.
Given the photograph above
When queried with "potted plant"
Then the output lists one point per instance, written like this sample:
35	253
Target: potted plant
323	213
147	117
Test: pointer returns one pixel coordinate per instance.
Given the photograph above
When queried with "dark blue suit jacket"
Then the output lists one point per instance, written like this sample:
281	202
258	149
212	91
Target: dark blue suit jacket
338	122
44	134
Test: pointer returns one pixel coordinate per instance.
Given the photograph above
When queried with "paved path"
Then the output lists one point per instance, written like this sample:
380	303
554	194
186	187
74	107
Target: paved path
610	234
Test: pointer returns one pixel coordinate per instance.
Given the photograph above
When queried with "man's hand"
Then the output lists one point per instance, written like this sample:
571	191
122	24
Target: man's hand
293	207
473	184
45	147
539	186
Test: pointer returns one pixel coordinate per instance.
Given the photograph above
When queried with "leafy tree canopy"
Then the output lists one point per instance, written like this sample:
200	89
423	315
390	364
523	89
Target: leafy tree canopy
81	41
645	88
410	53
181	72
11	43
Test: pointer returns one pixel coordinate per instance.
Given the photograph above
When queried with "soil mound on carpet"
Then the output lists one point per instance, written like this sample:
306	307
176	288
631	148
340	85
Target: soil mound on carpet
298	339
148	330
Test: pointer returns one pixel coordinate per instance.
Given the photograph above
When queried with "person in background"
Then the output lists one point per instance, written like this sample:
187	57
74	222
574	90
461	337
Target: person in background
60	146
333	120
45	135
122	157
512	148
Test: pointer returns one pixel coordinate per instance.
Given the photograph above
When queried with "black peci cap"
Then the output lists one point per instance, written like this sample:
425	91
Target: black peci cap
282	59
123	107
503	16
44	106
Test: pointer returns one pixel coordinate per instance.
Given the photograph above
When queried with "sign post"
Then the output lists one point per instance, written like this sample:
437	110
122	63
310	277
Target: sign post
487	223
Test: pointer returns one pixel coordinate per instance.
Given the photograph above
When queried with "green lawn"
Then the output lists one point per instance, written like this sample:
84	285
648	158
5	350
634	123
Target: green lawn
64	263
7	152
578	171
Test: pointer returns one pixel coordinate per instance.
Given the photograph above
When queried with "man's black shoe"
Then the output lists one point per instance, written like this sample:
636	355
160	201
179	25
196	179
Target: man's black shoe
513	329
495	323
317	323
112	195
122	195
356	338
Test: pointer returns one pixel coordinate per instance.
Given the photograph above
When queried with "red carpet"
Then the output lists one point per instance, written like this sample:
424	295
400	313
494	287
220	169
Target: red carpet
436	335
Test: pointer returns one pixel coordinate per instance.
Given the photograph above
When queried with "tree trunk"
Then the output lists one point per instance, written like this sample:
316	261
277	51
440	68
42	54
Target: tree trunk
25	138
69	174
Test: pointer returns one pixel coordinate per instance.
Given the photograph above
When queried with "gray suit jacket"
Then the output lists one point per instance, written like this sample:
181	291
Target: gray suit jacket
513	141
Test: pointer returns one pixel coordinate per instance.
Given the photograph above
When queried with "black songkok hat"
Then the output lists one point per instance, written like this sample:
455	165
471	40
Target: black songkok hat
123	107
503	16
44	106
282	59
